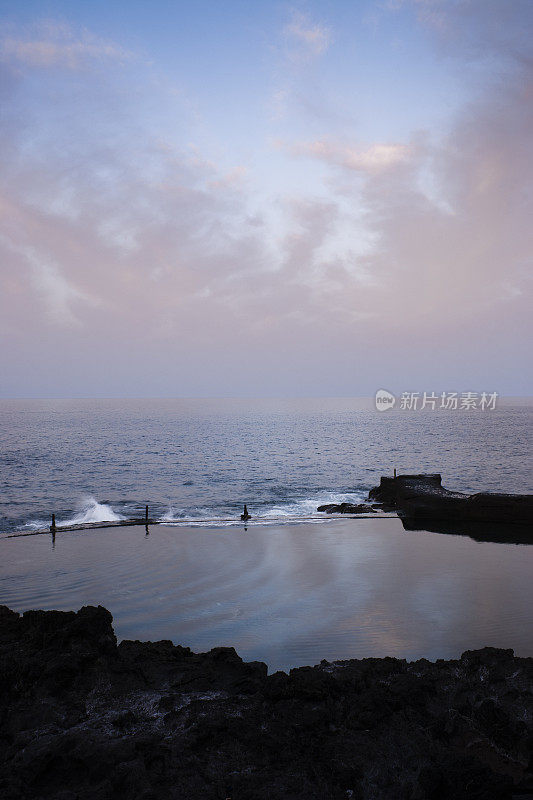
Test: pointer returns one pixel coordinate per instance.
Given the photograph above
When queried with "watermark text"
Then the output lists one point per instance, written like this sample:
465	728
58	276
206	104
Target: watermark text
432	401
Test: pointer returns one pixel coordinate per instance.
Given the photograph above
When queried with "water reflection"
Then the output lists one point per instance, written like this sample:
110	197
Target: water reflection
287	595
479	531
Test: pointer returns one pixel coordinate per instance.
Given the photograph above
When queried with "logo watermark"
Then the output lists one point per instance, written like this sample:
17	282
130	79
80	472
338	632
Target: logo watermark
430	401
384	400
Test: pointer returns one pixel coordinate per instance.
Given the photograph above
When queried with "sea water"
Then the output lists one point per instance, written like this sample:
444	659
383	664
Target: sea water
286	594
201	460
293	586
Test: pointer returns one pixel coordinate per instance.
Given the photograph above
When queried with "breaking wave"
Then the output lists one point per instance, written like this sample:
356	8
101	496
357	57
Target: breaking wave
307	507
264	512
90	510
294	510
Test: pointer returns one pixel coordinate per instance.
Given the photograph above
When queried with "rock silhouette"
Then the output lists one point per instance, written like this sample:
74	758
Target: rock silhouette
422	499
84	717
346	508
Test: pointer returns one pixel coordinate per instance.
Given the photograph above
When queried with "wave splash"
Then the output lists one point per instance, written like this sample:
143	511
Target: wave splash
172	514
292	510
90	510
297	508
307	507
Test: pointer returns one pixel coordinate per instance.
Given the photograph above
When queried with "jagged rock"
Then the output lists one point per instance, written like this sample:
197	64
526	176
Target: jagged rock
85	718
346	508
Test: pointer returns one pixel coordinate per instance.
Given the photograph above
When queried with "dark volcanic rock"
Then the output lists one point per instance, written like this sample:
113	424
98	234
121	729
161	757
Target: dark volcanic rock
346	508
421	500
85	719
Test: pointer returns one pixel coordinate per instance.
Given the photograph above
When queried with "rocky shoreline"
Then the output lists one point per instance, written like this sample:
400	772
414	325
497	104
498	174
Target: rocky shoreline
422	503
85	718
421	499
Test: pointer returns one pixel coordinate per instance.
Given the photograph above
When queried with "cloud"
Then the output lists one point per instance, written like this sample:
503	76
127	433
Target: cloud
306	39
452	255
231	179
302	43
126	232
57	294
476	28
48	44
373	158
411	257
448	219
26	268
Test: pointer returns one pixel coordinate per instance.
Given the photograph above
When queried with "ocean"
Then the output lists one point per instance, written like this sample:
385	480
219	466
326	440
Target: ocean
293	586
199	461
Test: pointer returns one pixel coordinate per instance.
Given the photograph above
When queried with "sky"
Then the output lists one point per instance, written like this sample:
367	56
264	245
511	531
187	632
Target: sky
265	199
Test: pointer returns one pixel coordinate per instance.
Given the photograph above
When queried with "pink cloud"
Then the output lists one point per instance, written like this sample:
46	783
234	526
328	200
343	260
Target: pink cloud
306	39
372	158
49	44
160	268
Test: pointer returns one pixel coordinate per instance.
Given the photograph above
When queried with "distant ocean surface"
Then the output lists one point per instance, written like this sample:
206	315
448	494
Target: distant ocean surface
200	460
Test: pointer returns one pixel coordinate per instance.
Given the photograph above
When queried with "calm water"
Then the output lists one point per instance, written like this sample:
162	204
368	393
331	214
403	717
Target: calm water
286	594
196	460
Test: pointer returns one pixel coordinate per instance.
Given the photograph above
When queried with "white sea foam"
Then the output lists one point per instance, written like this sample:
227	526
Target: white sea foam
90	510
180	515
172	515
301	509
308	506
37	524
217	522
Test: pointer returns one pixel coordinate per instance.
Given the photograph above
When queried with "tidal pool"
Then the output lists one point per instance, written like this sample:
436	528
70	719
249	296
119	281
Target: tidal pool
287	594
